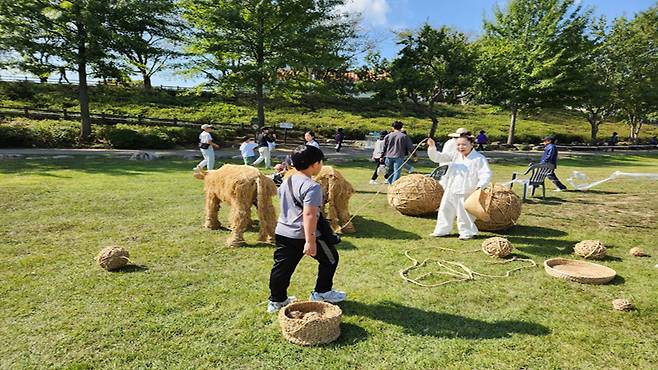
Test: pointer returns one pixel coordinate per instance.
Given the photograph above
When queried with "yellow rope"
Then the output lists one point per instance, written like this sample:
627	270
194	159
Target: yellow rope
460	271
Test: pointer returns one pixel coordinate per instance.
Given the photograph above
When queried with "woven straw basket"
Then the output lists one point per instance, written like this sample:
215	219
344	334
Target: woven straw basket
477	204
320	327
579	271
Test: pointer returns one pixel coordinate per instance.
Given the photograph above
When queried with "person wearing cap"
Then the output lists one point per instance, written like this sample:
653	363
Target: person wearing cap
468	170
550	156
206	146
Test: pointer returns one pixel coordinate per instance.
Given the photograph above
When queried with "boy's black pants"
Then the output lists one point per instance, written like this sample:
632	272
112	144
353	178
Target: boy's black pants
287	255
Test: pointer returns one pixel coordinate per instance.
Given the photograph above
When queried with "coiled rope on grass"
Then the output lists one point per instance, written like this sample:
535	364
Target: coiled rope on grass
458	270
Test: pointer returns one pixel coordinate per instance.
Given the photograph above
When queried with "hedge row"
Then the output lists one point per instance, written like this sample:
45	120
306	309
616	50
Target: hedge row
64	134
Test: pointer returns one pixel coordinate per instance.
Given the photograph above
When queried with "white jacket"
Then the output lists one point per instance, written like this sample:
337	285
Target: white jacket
465	174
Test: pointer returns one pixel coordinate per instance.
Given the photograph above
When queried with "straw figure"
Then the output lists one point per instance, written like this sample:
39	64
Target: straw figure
502	208
497	247
590	249
415	195
622	305
240	187
336	194
638	252
113	258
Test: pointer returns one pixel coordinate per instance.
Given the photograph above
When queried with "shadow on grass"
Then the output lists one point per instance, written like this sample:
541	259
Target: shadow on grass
421	322
350	334
530	231
543	247
132	268
367	228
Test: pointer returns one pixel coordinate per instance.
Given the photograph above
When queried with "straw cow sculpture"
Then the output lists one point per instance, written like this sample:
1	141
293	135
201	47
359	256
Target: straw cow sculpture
336	193
240	187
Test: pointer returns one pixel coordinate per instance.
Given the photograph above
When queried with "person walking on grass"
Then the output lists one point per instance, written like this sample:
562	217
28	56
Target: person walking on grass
339	139
468	171
550	156
377	154
296	233
247	150
264	149
207	147
396	146
480	140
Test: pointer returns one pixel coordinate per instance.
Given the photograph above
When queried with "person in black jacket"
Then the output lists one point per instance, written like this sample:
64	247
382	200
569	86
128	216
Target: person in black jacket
550	156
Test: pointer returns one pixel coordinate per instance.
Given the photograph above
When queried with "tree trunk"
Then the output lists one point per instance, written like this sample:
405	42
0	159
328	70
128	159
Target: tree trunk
147	81
594	122
512	127
260	100
85	119
435	124
260	62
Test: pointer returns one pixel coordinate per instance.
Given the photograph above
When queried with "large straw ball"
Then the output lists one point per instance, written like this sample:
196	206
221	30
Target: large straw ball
503	207
112	258
497	247
590	249
622	305
415	195
637	252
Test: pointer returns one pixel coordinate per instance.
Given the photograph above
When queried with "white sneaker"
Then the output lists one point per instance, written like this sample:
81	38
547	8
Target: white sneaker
438	235
466	237
411	170
273	307
373	182
332	296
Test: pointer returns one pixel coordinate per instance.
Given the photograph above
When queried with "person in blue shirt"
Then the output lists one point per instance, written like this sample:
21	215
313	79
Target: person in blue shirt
550	156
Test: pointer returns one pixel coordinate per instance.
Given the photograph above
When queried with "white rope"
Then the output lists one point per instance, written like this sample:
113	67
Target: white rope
584	185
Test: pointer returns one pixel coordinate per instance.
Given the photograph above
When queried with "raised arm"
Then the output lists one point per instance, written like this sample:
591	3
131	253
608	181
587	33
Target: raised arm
435	155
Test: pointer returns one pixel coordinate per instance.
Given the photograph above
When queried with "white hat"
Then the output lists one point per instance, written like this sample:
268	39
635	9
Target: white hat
205	126
460	131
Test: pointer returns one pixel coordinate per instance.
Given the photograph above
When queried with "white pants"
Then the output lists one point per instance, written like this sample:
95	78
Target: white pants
453	205
264	156
208	158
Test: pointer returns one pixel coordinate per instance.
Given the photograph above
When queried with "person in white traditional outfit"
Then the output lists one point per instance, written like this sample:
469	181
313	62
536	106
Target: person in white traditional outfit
450	146
468	171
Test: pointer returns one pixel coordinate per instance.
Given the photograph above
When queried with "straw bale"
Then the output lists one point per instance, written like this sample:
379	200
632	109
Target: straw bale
112	258
502	206
638	252
622	305
590	249
415	195
497	247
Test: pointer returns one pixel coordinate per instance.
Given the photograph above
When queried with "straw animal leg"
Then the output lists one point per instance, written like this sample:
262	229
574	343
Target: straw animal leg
212	206
239	219
266	212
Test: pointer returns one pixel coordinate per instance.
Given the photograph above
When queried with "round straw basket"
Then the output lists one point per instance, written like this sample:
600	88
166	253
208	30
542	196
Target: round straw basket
579	271
320	323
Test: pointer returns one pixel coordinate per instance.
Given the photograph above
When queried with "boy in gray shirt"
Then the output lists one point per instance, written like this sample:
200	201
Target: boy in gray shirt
296	233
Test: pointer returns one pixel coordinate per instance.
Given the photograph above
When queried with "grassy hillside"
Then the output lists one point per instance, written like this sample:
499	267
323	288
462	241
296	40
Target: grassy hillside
356	116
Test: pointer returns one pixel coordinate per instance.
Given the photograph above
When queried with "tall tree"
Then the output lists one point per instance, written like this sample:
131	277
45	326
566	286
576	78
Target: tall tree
248	43
434	65
147	33
597	93
634	52
75	32
526	57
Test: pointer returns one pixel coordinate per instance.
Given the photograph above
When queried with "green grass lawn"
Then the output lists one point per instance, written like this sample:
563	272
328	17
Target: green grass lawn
194	303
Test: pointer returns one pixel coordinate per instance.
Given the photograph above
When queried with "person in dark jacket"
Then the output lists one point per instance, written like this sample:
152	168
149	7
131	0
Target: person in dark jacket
340	136
396	147
550	156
